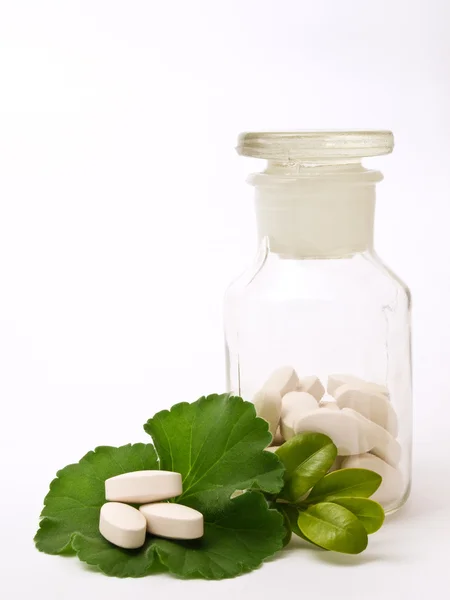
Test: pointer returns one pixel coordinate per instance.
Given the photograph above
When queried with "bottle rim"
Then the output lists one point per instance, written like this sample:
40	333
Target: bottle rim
291	146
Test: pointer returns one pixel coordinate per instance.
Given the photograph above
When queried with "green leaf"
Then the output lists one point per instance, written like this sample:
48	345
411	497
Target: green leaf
356	483
217	445
290	514
333	527
307	457
286	523
78	492
113	561
237	539
239	533
369	512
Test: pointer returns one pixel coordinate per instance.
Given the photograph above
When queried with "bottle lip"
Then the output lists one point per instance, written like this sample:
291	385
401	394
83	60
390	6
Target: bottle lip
291	146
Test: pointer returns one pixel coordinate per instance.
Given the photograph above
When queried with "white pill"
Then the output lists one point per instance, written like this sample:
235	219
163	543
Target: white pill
349	435
391	488
328	402
385	446
140	487
375	388
373	406
122	525
329	406
171	520
268	407
283	380
312	385
335	381
293	406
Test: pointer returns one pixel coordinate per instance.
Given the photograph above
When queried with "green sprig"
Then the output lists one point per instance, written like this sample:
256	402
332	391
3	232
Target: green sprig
331	510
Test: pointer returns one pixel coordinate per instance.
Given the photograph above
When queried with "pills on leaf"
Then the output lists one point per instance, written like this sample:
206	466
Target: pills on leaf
175	521
391	488
122	525
293	406
373	406
140	487
268	406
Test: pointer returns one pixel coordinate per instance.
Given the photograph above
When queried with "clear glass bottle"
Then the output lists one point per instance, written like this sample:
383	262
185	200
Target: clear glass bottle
318	297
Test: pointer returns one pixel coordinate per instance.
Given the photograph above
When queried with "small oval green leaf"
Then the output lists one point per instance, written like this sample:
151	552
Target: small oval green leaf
345	483
333	527
307	457
369	512
290	514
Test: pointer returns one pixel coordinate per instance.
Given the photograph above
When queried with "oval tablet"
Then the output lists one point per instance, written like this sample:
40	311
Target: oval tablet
375	388
140	487
268	407
335	381
328	402
312	385
391	488
329	405
174	521
375	407
122	525
349	435
385	446
293	406
283	380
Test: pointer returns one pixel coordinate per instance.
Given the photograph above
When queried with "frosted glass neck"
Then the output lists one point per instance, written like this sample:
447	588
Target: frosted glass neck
316	211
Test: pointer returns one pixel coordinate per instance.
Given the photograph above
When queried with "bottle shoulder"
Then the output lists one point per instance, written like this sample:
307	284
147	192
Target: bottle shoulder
245	279
362	277
388	274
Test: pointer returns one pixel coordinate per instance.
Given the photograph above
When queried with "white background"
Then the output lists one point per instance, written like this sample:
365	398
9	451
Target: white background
124	214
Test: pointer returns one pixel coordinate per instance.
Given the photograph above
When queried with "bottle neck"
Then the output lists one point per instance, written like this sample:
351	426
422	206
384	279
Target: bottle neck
316	210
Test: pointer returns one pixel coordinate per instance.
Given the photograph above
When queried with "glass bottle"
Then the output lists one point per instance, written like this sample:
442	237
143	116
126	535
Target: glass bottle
320	300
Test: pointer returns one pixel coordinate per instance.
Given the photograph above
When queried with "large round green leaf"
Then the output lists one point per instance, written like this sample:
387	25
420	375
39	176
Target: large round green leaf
217	444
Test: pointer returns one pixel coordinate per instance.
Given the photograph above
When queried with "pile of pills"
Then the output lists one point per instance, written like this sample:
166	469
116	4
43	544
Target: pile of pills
126	526
356	414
